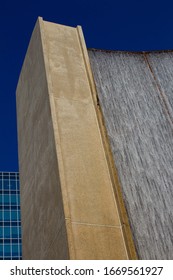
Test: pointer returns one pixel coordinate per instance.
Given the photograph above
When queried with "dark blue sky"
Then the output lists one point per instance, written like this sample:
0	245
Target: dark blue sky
111	24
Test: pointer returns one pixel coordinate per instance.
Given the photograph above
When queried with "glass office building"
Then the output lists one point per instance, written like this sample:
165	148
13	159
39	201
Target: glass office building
10	223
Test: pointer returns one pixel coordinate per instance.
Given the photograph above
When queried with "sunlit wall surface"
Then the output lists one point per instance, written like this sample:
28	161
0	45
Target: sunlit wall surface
10	224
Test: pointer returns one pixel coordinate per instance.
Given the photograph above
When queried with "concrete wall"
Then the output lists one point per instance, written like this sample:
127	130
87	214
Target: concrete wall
68	196
135	94
43	222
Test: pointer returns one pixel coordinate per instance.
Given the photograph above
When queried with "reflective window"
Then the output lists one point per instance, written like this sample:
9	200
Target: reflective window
14	215
14	199
6	215
1	232
7	250
6	184
7	232
15	232
15	250
1	215
1	250
6	199
10	224
13	185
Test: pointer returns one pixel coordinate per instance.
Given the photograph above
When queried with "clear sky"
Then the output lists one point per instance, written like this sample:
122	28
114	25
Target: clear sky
110	24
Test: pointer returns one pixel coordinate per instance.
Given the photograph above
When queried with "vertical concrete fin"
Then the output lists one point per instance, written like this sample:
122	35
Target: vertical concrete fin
112	169
65	159
88	196
43	223
57	137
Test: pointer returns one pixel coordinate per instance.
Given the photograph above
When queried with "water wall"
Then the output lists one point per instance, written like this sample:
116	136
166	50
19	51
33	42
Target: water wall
135	92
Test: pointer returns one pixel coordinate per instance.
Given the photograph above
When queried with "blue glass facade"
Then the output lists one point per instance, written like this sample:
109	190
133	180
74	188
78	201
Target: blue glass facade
10	223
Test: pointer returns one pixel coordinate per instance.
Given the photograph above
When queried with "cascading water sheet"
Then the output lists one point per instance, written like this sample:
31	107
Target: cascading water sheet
136	97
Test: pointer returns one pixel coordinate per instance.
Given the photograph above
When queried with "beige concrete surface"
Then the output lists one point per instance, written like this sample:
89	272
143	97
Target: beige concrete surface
67	190
107	242
42	212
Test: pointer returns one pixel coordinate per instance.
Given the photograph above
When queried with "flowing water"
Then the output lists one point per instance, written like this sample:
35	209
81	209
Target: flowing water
135	91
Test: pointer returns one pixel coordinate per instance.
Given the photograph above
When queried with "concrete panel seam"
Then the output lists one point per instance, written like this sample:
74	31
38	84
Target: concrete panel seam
97	225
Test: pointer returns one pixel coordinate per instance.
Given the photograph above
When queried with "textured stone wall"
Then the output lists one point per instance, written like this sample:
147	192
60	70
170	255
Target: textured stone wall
135	92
